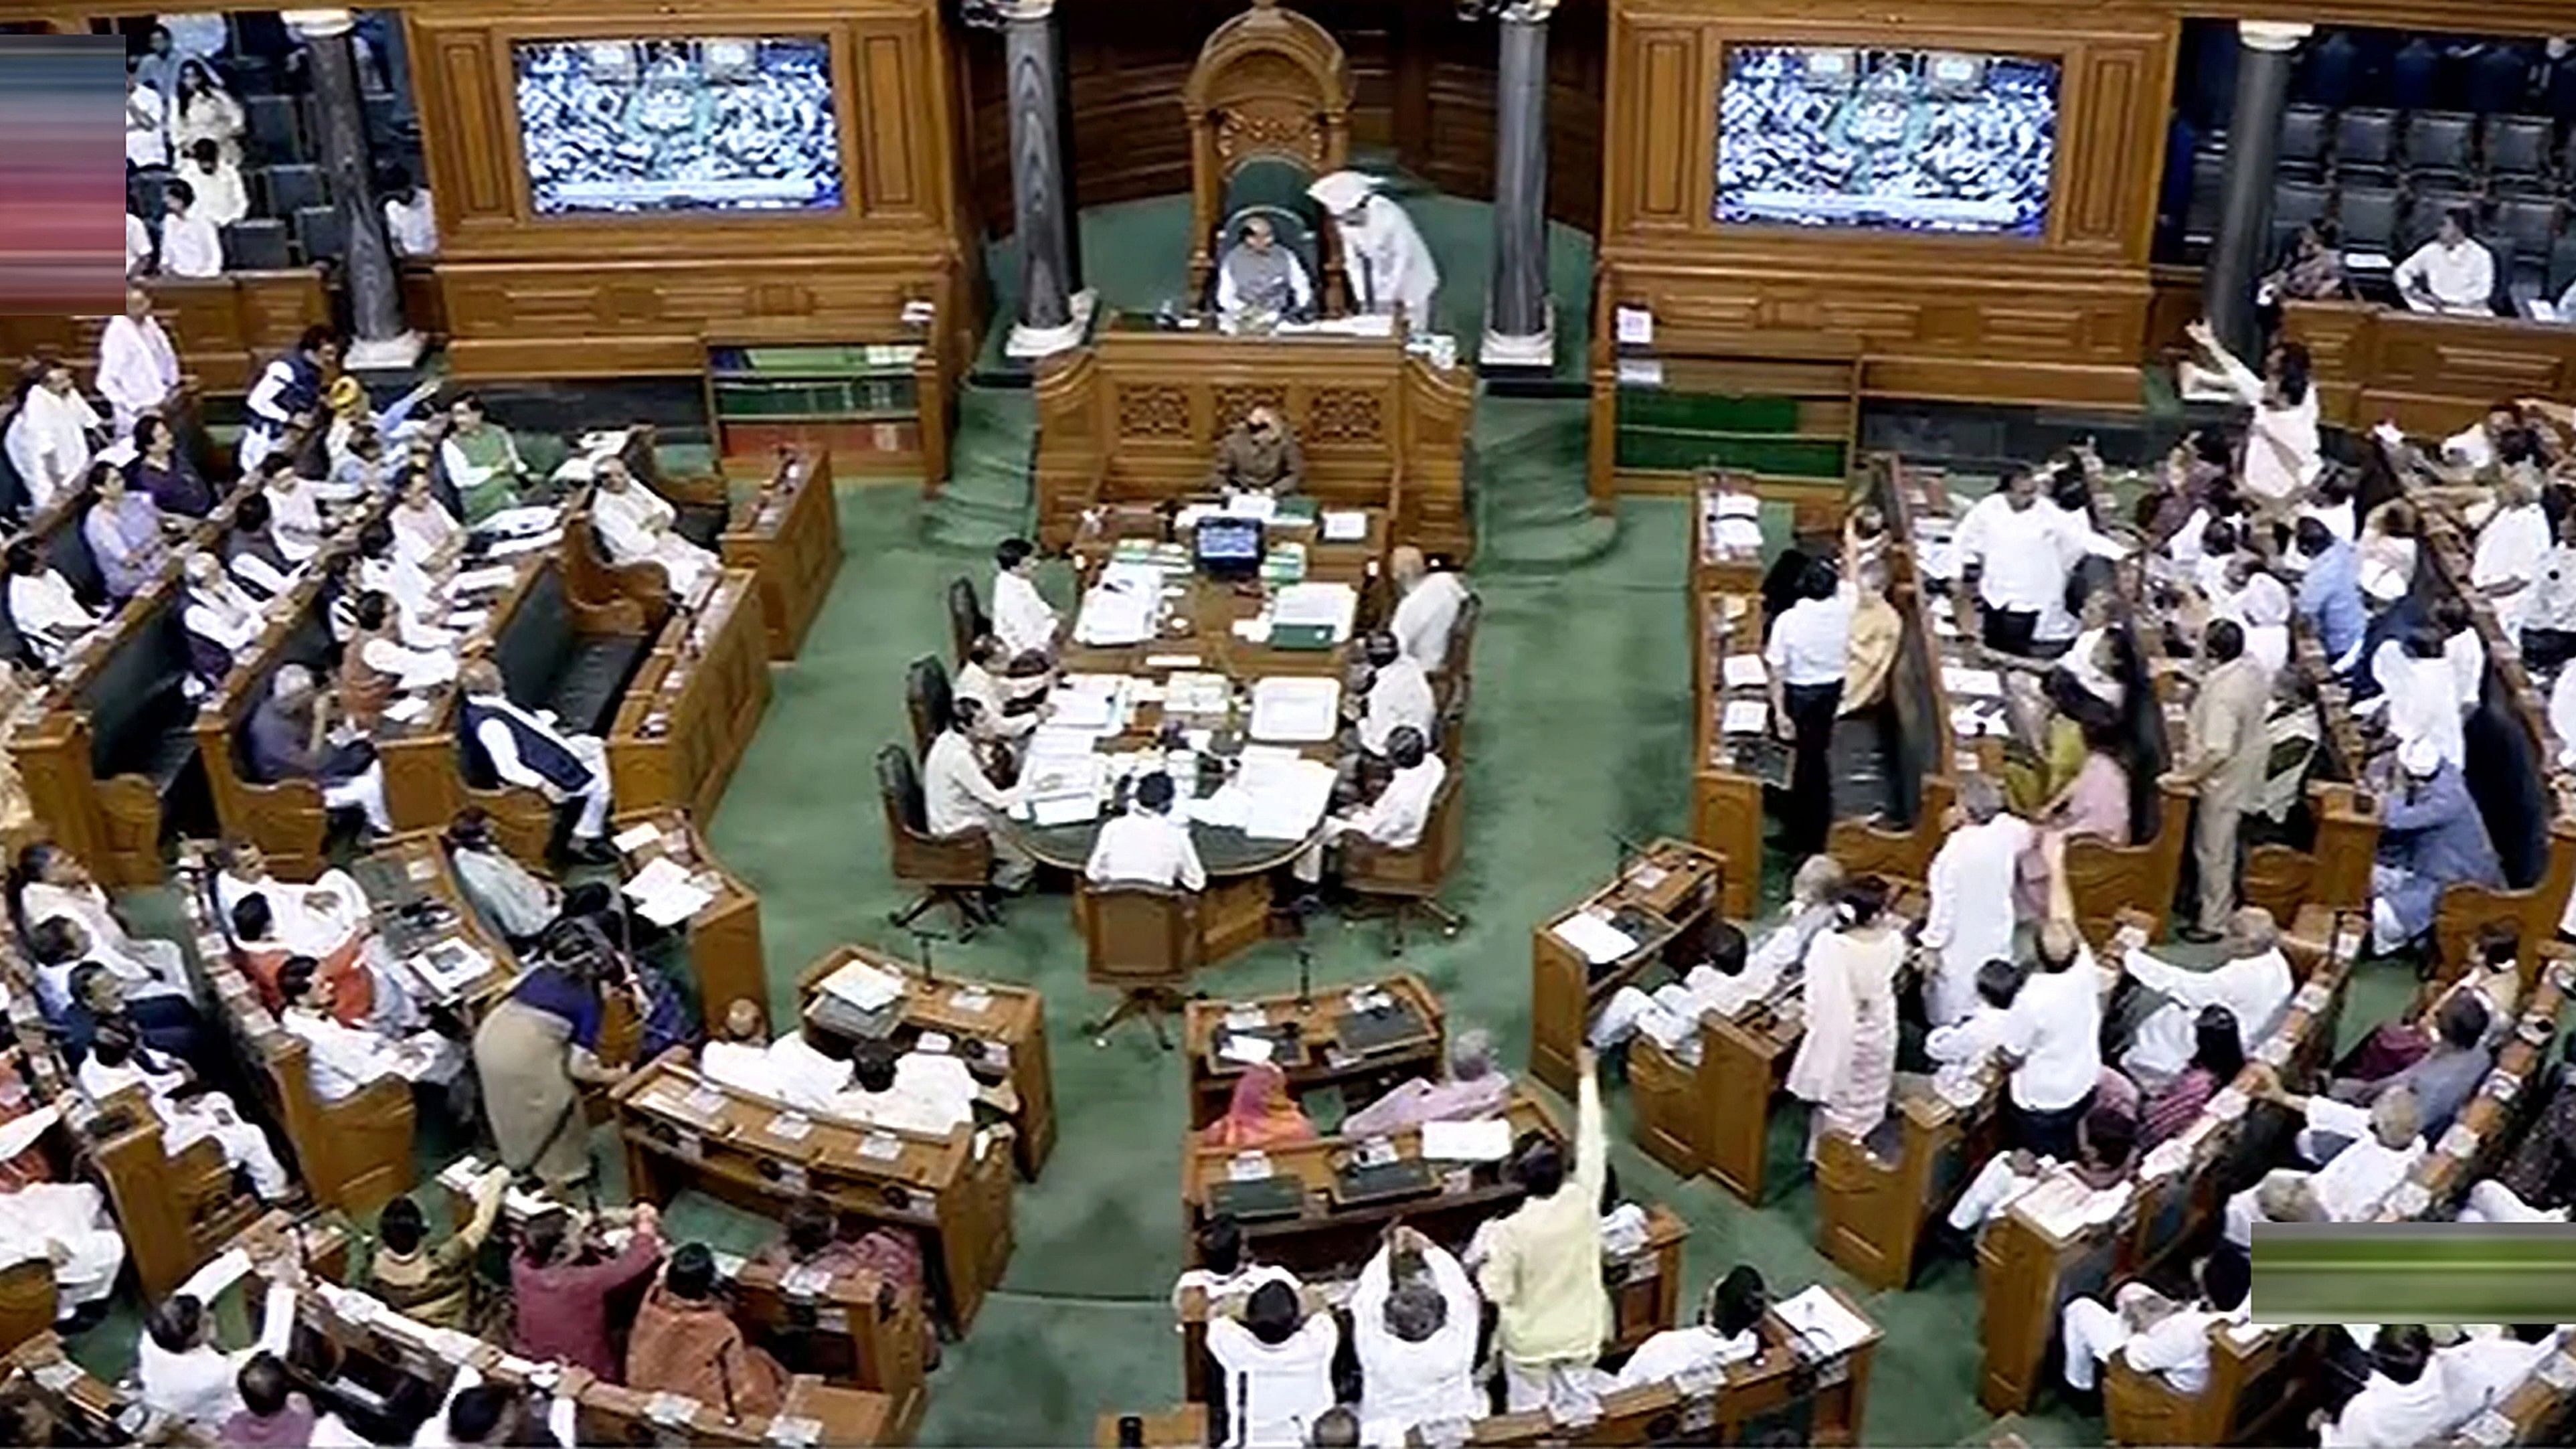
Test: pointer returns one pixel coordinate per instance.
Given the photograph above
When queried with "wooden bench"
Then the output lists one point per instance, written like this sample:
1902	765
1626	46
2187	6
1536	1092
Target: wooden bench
1875	1199
2255	1390
681	1130
990	1015
225	328
1670	894
788	533
694	703
106	758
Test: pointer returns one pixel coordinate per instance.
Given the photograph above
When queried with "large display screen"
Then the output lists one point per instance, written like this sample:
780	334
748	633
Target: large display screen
667	125
1923	140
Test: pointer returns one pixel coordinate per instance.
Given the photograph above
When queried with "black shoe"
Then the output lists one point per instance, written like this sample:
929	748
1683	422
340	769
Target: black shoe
591	852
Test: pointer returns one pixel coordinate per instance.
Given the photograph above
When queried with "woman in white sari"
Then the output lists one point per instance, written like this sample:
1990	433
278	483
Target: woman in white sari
1846	1064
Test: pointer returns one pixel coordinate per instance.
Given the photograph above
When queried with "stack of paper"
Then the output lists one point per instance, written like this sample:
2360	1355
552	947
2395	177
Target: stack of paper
1192	692
1116	614
1284	801
1251	505
1227	809
1063	789
483	580
665	893
1296	708
1093	702
524	543
1746	671
1332	606
1599	941
865	985
1822	1323
1978	683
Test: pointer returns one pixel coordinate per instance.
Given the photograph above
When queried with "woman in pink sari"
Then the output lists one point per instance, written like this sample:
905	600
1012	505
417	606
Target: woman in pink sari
1262	1113
2095	802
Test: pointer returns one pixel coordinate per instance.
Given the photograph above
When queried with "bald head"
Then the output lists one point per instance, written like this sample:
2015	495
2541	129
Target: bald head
479	677
1407	565
2251	932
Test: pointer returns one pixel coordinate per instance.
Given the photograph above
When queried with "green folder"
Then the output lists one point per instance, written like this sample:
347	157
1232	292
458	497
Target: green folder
1310	637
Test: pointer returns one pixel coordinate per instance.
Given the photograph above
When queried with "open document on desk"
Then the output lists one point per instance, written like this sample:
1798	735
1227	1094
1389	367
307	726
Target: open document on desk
1296	708
865	985
1308	606
1120	608
666	894
1283	799
1599	941
1823	1325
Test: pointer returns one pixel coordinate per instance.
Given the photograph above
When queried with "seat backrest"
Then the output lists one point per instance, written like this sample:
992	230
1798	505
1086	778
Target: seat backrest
69	553
2562	265
135	693
537	642
273	124
2518	145
2368	216
966	618
2438	139
1139	934
2295	204
2424	214
926	698
2303	133
2365	135
256	244
1459	659
293	186
320	233
899	786
2528	223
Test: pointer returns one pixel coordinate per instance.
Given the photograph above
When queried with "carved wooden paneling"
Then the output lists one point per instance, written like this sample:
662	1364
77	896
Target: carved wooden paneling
889	105
2431	374
1230	401
1664	115
2091	195
473	110
1153	410
1343	416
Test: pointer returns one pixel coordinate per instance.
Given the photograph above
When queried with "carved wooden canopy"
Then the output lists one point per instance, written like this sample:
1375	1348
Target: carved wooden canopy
1269	83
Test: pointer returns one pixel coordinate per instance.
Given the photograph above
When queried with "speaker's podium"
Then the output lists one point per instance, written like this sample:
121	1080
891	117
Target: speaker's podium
1135	417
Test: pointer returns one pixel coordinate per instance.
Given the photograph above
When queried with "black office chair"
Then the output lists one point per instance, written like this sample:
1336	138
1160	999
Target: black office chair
949	870
2518	147
927	699
2303	141
2562	267
321	233
2365	144
2436	145
2368	216
967	621
276	132
256	244
2208	198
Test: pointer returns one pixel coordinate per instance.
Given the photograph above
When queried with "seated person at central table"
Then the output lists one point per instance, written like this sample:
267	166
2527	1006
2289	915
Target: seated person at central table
635	524
1260	455
1260	276
1146	846
527	750
959	794
1012	690
1399	814
1476	1088
1398	695
1022	618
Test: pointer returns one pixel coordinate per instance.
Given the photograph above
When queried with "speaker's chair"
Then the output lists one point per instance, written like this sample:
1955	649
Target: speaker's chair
1271	88
1293	216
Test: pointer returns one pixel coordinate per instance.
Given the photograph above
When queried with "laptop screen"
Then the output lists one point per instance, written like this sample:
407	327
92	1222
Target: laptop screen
1229	544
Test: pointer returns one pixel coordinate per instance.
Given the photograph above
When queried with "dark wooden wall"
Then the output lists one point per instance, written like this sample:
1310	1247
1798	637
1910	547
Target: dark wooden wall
1424	80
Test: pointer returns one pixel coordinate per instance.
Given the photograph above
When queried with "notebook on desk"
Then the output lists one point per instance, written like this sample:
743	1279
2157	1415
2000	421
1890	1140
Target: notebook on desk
841	1017
1383	1182
1377	1029
1264	1199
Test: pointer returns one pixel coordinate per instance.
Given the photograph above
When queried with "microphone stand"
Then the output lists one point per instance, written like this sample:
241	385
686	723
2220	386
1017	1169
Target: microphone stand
1299	913
921	939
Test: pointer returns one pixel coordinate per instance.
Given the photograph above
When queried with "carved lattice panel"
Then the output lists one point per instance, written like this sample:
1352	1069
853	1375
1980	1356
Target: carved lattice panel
1345	415
1153	410
1235	400
1276	127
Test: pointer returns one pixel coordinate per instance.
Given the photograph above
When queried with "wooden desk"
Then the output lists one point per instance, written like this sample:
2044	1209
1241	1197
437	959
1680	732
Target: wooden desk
2487	1126
1871	1211
982	1017
2433	374
693	708
1714	1116
1136	417
1670	892
788	534
1324	1238
91	1406
1726	802
725	953
681	1131
1313	1050
1718	567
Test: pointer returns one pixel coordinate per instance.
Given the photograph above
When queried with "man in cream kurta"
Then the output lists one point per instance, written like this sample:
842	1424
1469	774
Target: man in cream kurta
635	525
1971	880
1383	253
1542	1266
138	369
2229	753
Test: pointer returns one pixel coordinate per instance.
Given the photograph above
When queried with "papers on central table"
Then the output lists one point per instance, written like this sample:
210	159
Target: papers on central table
1120	608
1297	709
1194	692
1283	799
1599	941
1064	787
865	985
666	894
1344	525
1309	606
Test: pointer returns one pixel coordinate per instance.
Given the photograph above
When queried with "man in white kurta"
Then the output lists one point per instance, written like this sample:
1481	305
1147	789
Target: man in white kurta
342	1059
50	440
1383	253
185	1121
64	1222
2454	272
2509	548
1146	846
635	525
1399	694
1022	618
2254	985
958	795
2152	1333
138	369
1399	814
190	244
1415	1340
1970	920
2383	1144
2402	1404
1429	609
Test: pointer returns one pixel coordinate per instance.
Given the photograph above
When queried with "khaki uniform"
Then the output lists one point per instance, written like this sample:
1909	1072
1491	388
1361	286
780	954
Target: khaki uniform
1274	463
2230	750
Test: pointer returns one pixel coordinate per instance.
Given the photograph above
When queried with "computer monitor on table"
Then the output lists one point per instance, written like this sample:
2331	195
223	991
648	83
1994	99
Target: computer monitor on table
1229	548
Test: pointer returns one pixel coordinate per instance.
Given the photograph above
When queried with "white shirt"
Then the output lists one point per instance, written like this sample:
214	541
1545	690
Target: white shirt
1146	848
1399	695
1811	642
147	136
1970	921
2055	1027
2478	1373
2461	279
956	793
222	199
412	229
1404	1384
1022	619
2254	989
2020	550
2389	1415
2508	551
2351	1186
422	530
191	247
1273	1394
1677	1351
1402	811
933	1093
138	243
2282	452
1424	617
2423	700
1238	1284
502	747
49	443
137	368
1229	299
2177	1346
979	684
198	1386
2470	447
223	614
46	611
635	524
340	1059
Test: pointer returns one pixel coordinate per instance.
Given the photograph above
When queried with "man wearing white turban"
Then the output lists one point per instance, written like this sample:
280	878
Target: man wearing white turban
1382	252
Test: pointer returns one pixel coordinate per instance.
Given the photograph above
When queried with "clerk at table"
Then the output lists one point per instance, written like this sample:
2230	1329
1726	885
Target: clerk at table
1260	455
1146	846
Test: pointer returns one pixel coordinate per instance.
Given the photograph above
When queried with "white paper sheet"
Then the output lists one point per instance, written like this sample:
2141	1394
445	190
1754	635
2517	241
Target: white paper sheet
1344	525
1488	1140
1285	802
1636	327
1296	709
1744	717
1746	671
1821	1320
1596	939
666	894
865	985
1979	683
635	837
1332	606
